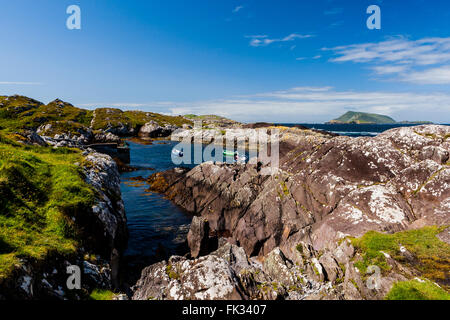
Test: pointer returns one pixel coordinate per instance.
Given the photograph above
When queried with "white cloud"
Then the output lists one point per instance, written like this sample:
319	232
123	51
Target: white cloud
382	70
306	58
410	60
430	76
264	40
237	9
422	52
21	83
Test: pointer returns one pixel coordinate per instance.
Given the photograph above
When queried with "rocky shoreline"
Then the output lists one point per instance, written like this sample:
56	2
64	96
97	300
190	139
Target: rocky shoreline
311	229
326	190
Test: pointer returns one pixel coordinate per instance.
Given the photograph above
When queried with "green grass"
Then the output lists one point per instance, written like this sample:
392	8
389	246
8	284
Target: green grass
105	117
99	294
432	255
171	272
417	290
363	117
40	191
64	127
18	112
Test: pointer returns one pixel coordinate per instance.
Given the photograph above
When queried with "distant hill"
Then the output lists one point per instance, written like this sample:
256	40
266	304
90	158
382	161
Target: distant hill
212	121
363	118
370	118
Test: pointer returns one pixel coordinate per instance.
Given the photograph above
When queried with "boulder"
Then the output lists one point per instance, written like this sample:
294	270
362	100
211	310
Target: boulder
198	237
207	278
31	137
154	130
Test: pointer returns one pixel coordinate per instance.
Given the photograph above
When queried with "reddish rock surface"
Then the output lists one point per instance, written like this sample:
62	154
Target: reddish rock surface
326	188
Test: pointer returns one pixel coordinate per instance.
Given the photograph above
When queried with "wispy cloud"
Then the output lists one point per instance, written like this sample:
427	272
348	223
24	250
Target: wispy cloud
237	9
423	52
264	40
430	76
306	58
382	70
337	24
410	60
333	11
16	83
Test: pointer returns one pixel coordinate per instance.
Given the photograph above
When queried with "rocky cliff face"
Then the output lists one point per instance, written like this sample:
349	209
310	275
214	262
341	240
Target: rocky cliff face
102	174
325	190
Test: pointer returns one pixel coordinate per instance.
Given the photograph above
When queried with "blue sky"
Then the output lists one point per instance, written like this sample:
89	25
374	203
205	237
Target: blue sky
251	60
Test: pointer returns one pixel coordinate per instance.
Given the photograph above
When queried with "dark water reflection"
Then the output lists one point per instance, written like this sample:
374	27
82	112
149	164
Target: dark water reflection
157	227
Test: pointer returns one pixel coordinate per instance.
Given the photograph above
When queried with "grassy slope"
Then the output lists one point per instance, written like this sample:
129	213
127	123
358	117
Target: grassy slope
132	119
362	117
432	256
417	290
40	189
19	112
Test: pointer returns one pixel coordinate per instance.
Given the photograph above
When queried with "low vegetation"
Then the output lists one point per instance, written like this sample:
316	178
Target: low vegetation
428	255
417	289
109	117
99	294
40	191
18	112
363	118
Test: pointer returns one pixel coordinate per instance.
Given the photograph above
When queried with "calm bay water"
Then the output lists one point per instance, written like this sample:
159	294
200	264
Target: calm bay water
157	227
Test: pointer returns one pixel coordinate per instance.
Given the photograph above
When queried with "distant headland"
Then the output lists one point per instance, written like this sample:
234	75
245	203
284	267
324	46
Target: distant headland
352	117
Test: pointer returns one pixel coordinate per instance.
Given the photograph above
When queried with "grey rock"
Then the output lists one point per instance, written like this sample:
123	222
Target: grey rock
154	130
198	237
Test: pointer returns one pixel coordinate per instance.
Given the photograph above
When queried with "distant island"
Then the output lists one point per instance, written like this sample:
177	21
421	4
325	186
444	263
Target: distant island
370	118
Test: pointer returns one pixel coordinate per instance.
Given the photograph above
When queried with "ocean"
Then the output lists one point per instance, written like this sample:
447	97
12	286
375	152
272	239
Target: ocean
352	130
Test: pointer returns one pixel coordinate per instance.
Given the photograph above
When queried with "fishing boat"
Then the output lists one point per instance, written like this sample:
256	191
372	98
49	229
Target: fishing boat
235	155
177	152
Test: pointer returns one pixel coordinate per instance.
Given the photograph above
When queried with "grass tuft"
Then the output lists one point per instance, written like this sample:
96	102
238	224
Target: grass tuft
99	294
417	290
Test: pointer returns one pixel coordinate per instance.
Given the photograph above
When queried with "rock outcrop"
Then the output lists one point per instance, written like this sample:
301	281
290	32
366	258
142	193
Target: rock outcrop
229	274
154	130
325	189
102	174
